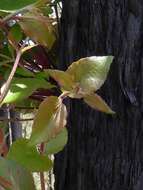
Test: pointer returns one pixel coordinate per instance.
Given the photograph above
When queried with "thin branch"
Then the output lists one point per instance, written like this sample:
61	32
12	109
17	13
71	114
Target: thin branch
8	82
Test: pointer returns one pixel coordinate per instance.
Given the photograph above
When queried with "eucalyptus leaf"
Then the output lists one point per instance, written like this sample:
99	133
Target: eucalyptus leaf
96	102
14	177
28	156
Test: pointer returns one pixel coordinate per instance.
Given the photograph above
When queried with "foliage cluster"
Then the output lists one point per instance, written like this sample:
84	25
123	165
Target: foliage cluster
29	78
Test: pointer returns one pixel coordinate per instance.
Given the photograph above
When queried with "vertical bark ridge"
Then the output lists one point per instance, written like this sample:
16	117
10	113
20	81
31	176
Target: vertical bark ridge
104	152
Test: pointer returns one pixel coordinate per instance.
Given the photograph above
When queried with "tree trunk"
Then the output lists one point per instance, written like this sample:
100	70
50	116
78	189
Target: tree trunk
104	152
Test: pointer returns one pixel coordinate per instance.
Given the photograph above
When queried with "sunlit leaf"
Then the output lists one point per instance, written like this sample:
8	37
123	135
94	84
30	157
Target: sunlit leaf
57	144
27	48
28	156
14	177
10	5
64	79
90	72
96	102
38	29
49	121
22	88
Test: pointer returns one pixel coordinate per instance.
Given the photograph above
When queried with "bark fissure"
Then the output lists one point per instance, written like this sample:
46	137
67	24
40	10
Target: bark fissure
104	152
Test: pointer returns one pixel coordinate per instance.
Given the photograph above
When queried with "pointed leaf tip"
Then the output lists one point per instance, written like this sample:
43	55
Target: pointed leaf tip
96	102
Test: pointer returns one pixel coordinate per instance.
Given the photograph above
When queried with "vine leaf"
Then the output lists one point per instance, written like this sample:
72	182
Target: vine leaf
90	73
21	88
56	144
11	6
49	121
28	156
96	102
39	29
13	176
64	79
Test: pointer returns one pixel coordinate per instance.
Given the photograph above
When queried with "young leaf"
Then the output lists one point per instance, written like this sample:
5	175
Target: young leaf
39	29
28	157
10	6
57	144
96	102
90	72
21	88
49	121
64	79
13	176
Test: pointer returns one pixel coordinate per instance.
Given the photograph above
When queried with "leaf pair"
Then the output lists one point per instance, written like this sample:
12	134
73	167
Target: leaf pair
83	78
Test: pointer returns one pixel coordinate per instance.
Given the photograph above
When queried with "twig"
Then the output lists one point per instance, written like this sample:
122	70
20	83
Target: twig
8	82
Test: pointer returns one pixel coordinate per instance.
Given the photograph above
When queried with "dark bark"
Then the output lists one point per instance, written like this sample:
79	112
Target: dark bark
104	152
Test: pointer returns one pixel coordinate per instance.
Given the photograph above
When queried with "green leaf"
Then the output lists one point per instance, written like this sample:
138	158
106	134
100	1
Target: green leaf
15	34
21	88
24	72
96	102
57	144
10	5
49	121
90	72
14	177
64	79
28	156
38	29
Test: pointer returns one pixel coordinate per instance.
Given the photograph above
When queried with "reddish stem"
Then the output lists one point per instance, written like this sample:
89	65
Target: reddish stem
8	82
